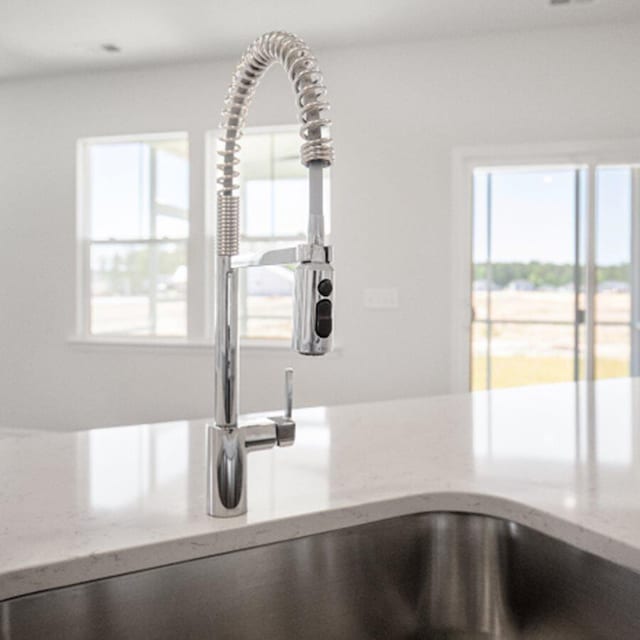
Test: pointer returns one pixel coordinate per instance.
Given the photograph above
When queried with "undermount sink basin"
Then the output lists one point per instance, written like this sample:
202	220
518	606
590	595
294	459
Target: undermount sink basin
434	575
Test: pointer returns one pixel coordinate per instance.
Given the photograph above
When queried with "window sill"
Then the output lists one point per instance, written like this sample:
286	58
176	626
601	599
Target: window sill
168	345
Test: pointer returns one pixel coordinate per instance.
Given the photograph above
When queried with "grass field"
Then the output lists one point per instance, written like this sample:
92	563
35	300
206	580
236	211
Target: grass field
524	354
522	370
521	354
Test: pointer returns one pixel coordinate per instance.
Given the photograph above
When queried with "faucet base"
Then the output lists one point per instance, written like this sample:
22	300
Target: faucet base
227	450
226	472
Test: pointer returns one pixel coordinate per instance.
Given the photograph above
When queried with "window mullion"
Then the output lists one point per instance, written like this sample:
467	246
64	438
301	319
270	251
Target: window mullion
269	164
129	305
590	275
635	276
489	277
84	243
153	250
576	275
86	287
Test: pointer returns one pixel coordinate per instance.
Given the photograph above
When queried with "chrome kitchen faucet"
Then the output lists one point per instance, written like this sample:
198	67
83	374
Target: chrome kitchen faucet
228	442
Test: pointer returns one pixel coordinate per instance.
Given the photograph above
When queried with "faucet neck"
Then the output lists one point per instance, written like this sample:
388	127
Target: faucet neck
226	344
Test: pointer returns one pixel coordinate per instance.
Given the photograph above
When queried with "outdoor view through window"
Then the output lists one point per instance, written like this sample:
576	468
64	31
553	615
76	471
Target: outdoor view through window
274	201
134	235
529	275
135	199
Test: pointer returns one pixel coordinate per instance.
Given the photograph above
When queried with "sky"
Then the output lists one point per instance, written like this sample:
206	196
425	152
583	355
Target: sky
119	189
119	192
533	215
532	210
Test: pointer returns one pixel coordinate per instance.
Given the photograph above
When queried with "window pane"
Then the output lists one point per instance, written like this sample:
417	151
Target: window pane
613	245
138	189
533	244
582	351
266	297
172	175
275	188
274	206
613	351
518	302
531	354
257	204
274	184
286	155
531	247
291	203
291	186
138	289
119	202
255	156
277	207
613	272
256	174
480	283
268	328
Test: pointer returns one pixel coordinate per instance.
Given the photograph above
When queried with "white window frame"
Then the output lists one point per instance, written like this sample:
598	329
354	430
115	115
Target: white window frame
83	242
200	250
586	154
211	188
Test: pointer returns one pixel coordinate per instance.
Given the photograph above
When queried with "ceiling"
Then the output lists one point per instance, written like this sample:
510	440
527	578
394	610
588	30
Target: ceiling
40	37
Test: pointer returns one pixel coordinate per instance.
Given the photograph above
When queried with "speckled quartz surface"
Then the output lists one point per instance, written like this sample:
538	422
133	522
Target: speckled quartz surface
562	459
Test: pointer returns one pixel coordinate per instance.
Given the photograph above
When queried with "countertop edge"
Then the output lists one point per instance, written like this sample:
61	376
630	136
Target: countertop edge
32	579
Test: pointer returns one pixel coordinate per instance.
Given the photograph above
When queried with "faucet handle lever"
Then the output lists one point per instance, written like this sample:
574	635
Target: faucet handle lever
285	426
288	392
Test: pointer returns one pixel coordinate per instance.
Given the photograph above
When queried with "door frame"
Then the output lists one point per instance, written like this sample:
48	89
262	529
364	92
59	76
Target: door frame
585	154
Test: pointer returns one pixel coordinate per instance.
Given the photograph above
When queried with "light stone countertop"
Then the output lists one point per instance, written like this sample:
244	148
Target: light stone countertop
562	459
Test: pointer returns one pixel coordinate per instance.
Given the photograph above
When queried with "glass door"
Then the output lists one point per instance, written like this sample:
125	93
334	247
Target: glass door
528	274
555	282
616	326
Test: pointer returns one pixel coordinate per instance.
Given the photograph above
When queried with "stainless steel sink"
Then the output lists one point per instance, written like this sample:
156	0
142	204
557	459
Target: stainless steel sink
436	575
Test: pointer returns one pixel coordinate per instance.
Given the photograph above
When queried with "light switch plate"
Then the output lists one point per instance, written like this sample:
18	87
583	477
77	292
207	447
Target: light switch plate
381	298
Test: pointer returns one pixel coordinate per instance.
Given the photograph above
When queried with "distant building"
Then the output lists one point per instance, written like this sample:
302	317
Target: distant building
520	285
272	280
485	285
178	280
614	286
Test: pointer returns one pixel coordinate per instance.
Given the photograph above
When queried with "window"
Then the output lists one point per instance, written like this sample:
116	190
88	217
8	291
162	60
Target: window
613	259
134	228
538	316
146	261
525	276
274	209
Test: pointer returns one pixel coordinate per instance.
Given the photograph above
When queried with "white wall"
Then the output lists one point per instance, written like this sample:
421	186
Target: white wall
398	112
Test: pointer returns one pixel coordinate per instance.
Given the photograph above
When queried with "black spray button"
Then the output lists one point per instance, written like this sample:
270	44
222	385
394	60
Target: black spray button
325	287
324	322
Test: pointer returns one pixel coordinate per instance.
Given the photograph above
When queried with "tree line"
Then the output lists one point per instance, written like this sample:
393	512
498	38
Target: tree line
545	274
129	272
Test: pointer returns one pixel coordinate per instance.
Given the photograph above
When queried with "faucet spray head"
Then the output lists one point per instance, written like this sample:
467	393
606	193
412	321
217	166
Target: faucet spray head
313	308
